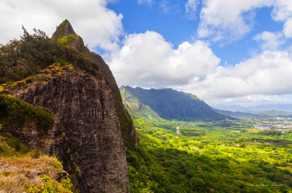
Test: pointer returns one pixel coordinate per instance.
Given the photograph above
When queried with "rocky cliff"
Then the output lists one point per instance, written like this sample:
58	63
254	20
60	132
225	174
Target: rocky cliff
91	127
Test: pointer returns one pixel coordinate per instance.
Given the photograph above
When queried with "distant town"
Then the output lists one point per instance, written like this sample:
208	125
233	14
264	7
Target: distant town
279	124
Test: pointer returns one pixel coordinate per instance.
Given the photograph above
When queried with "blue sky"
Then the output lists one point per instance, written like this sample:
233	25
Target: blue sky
173	23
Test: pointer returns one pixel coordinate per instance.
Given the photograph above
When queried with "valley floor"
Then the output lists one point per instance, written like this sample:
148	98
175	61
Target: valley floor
205	159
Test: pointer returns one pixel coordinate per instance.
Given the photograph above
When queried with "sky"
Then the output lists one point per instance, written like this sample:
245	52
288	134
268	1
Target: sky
234	54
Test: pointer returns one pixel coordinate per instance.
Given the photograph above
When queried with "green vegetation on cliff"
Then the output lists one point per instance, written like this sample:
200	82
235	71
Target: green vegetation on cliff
15	113
66	40
32	53
27	56
24	169
209	160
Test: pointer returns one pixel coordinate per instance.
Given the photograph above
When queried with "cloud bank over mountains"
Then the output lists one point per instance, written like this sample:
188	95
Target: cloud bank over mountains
149	60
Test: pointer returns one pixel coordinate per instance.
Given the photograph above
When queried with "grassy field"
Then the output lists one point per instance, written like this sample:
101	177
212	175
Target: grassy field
209	159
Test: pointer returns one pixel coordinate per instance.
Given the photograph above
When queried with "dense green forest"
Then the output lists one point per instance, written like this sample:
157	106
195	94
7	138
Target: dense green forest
209	159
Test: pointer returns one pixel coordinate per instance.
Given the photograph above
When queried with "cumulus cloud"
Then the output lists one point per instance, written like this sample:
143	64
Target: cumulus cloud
268	73
282	10
263	77
222	19
91	18
225	18
191	6
288	28
269	40
228	19
148	60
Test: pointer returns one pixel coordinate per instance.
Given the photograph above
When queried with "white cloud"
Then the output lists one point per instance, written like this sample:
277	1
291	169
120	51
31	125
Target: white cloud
97	24
288	28
221	19
282	10
269	40
264	77
149	60
191	6
228	19
267	74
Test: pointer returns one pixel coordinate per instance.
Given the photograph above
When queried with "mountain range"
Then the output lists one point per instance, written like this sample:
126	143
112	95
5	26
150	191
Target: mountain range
168	104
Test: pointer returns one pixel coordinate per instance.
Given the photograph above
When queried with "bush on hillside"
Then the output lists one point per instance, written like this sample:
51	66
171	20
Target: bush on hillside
24	57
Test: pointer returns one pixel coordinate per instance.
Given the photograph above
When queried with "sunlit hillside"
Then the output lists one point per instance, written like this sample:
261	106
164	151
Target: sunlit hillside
205	160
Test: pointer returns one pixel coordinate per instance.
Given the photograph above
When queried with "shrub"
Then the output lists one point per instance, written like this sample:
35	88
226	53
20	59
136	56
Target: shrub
49	185
27	56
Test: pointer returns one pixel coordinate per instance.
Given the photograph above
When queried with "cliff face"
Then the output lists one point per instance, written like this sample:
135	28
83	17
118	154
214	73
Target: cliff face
87	131
91	127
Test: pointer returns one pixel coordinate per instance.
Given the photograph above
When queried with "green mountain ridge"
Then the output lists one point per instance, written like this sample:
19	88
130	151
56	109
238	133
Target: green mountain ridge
168	104
135	107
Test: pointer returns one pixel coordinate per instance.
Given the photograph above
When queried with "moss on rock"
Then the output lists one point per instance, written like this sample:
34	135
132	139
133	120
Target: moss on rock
67	40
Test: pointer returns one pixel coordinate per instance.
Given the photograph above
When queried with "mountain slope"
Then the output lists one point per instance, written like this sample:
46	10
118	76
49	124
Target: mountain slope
90	129
168	104
135	107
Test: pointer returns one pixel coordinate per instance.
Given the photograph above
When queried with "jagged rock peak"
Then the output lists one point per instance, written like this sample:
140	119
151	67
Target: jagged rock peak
64	29
66	36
